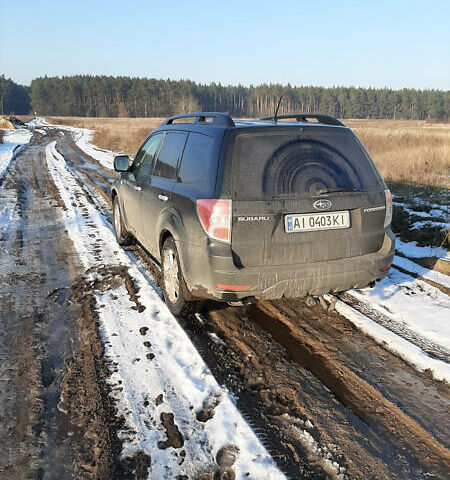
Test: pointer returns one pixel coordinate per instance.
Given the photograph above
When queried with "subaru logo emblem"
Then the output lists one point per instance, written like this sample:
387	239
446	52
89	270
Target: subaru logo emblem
322	204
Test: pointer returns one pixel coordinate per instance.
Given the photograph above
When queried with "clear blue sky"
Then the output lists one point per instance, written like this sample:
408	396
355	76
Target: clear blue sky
377	43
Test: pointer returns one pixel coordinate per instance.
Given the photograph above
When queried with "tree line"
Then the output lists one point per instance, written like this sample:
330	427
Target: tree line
103	96
14	98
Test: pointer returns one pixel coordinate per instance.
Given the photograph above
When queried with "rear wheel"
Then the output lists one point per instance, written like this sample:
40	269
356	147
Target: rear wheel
174	287
122	235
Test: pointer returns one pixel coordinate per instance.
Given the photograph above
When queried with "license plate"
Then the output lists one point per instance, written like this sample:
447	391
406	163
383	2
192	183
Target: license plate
317	221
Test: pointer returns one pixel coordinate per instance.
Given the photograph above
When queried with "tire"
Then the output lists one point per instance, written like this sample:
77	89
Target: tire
173	284
123	237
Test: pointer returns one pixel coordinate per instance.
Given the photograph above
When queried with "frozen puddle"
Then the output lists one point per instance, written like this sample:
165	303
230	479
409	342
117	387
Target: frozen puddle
159	380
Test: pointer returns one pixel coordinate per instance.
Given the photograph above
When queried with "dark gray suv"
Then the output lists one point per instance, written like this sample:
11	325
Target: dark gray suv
243	210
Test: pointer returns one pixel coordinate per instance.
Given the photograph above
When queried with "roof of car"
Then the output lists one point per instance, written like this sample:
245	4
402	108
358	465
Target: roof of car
266	124
214	122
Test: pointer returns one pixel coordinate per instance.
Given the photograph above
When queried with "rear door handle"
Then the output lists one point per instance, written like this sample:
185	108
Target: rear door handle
163	198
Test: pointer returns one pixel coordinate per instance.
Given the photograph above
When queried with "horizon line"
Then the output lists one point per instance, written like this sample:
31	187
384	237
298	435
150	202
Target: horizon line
225	85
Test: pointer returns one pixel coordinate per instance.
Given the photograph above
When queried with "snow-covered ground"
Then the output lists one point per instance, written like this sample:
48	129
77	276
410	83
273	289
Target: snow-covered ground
423	308
431	215
412	250
13	141
176	370
416	269
407	314
437	210
83	138
395	343
430	224
410	314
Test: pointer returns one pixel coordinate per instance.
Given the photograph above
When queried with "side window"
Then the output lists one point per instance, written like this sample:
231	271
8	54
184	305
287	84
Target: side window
139	155
197	159
170	153
143	163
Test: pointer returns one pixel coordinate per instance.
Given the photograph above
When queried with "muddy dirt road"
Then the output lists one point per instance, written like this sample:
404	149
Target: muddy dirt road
326	400
54	421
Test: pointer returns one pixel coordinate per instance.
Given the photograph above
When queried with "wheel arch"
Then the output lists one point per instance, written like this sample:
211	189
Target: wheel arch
170	231
163	236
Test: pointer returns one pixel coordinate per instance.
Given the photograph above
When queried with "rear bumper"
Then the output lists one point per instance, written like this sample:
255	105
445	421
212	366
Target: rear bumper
275	282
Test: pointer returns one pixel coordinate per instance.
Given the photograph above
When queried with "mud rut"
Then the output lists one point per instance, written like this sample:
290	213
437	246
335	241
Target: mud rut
327	401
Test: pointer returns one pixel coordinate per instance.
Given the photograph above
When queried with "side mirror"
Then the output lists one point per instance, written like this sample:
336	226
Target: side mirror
121	163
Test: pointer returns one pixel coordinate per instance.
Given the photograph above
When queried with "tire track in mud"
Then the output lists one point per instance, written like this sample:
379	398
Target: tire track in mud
257	372
353	392
416	393
376	438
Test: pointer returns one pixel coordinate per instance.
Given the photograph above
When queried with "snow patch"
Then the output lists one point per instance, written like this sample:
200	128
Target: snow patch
83	140
412	250
430	224
13	142
423	308
405	349
423	272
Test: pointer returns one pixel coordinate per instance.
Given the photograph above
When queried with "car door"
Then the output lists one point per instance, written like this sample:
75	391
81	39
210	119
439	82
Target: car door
157	189
133	181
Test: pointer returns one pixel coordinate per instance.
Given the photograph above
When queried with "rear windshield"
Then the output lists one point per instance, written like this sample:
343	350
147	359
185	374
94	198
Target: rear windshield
300	163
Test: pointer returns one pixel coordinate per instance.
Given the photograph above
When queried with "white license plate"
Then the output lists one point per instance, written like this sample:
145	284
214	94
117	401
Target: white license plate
317	221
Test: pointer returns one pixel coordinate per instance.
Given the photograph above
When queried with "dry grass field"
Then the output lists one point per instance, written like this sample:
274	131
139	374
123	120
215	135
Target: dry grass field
406	152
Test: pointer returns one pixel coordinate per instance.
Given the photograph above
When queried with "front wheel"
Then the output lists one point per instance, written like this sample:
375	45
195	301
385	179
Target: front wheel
122	235
173	285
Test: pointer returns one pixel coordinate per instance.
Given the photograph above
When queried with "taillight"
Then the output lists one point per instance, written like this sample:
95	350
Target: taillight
388	217
215	217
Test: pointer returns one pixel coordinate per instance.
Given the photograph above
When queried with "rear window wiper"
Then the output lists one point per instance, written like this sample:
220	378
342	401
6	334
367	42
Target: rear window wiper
336	190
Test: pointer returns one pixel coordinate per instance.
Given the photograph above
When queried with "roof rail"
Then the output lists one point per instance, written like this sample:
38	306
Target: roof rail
217	118
303	117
